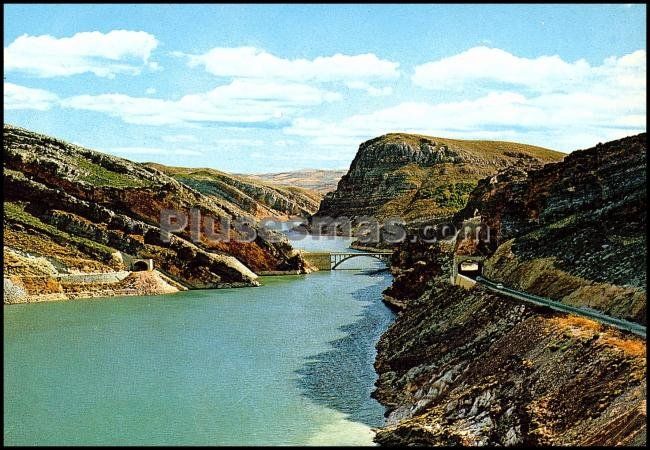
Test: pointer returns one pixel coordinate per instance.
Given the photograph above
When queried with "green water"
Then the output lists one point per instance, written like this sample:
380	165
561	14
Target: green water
289	362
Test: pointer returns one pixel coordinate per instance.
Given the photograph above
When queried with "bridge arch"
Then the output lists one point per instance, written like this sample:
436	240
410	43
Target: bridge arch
383	257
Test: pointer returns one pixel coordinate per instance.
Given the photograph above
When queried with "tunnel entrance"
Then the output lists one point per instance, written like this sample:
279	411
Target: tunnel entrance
142	265
470	268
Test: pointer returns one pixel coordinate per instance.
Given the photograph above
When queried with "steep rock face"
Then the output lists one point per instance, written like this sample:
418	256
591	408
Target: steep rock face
469	368
415	177
574	231
79	209
413	266
598	180
247	195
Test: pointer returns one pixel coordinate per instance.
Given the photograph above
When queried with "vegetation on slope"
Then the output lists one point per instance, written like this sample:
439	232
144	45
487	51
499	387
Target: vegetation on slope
418	177
253	197
82	210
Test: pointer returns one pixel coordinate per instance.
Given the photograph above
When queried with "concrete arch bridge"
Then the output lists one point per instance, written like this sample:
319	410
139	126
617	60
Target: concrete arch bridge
332	260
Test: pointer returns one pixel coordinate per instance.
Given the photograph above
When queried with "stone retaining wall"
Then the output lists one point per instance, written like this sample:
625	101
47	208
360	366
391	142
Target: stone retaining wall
88	278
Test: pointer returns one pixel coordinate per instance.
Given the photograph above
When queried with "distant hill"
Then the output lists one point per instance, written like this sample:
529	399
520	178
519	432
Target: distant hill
420	177
252	196
322	181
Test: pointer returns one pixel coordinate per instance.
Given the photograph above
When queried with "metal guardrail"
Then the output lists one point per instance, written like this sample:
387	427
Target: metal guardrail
632	327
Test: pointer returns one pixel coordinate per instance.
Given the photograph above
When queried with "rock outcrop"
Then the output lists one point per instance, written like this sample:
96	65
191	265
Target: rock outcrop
420	177
71	209
573	231
471	368
467	367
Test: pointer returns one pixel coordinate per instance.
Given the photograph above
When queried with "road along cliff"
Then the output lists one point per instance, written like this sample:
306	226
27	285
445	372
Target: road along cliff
472	367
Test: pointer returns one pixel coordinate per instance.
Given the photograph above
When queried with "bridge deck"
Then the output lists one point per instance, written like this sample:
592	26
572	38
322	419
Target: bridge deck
331	260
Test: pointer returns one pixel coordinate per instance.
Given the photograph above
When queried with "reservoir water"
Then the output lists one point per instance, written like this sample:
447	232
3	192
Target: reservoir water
289	362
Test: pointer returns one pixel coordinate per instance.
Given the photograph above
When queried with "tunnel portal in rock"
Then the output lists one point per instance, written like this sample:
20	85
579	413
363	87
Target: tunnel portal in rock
142	265
471	266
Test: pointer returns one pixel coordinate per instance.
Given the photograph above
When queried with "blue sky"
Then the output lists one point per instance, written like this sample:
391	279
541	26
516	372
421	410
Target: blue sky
259	88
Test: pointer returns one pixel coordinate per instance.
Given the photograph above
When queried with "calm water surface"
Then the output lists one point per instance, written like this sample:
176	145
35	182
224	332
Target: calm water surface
289	362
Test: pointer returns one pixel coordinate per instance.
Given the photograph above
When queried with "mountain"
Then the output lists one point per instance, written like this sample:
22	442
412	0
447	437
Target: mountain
258	198
419	177
68	209
469	367
321	181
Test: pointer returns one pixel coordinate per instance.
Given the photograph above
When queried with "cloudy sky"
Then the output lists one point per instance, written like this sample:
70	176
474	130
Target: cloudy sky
276	87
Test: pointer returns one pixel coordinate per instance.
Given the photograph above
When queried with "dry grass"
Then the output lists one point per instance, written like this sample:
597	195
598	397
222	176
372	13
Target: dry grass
632	347
488	148
578	326
541	276
586	328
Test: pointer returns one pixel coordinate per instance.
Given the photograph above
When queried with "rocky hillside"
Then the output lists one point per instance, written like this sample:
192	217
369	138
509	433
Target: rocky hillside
469	367
250	196
421	177
573	231
71	209
318	180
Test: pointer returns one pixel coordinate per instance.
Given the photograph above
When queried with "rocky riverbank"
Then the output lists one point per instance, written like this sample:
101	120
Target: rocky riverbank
31	289
471	368
468	367
68	209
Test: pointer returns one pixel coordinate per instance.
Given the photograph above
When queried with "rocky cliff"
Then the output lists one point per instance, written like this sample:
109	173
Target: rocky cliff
250	196
573	231
467	367
418	177
470	368
71	209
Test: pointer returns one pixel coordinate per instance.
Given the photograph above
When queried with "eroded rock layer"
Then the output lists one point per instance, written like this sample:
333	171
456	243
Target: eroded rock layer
71	209
418	177
469	367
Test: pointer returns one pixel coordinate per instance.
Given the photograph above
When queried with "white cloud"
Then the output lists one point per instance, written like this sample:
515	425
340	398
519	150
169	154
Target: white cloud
179	138
371	90
250	62
103	54
150	91
241	101
154	151
284	143
239	142
21	97
544	101
493	68
558	121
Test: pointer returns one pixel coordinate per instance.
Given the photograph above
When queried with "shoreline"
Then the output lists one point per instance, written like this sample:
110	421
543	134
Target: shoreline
19	289
354	311
83	286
